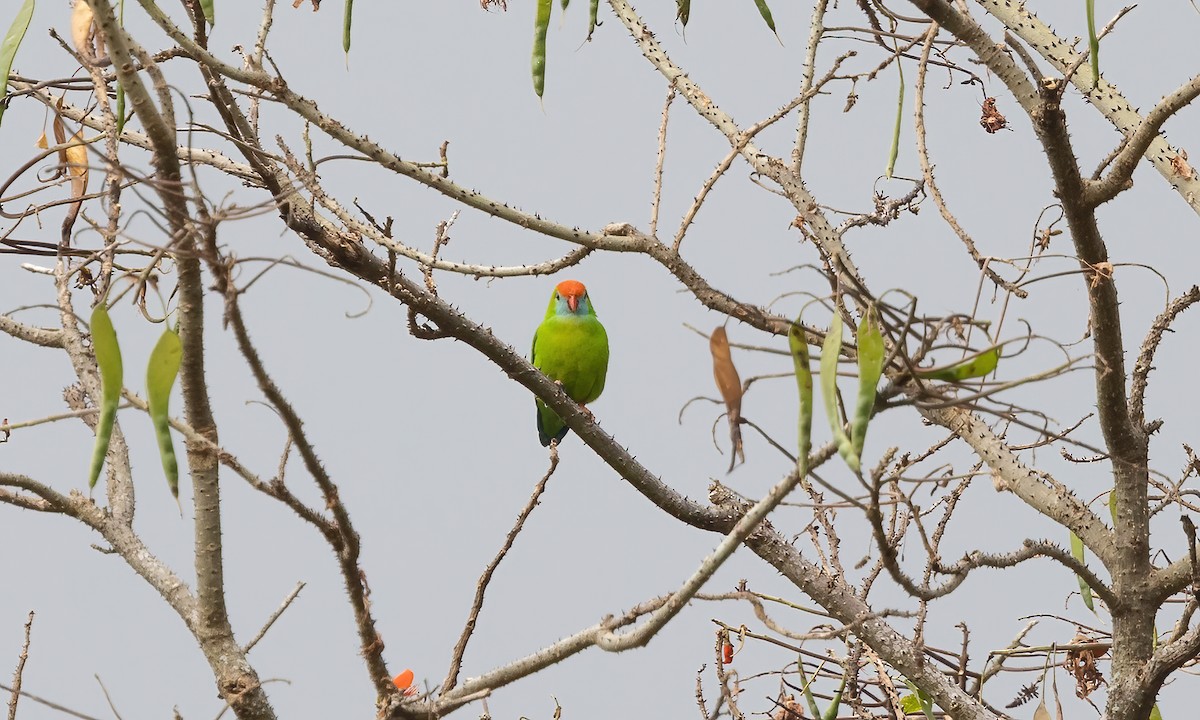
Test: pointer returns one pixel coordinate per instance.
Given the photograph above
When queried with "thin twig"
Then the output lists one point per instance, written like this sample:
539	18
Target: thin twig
658	165
287	602
107	698
51	705
16	686
481	587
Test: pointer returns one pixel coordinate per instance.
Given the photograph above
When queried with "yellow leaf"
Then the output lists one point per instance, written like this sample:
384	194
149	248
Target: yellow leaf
77	165
81	28
41	141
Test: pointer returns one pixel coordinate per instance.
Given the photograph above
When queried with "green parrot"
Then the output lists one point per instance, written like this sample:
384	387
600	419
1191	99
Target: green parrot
570	346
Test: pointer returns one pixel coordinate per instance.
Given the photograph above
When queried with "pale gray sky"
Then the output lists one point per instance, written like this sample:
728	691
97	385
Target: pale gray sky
435	450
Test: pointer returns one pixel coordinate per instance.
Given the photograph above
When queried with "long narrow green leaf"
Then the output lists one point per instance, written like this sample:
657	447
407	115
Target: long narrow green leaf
593	13
895	150
160	378
1080	554
347	20
541	25
980	365
683	11
1112	505
830	351
210	12
870	369
804	383
765	11
805	684
108	359
1093	42
8	48
564	4
1155	714
835	703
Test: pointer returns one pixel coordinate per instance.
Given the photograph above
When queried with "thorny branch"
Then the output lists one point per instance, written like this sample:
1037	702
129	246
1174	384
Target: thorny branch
333	232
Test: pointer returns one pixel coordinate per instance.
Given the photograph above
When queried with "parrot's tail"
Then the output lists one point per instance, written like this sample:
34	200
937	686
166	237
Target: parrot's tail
556	431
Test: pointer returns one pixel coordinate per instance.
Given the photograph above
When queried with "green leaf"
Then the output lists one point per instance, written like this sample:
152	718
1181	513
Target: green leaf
910	704
805	686
683	11
108	359
1112	505
924	702
765	11
1154	713
347	19
564	4
835	702
870	369
830	350
980	365
895	150
8	48
1080	554
210	13
804	383
160	378
541	25
1093	42
593	12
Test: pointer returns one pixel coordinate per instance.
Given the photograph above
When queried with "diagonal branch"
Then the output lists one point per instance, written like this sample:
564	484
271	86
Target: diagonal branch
481	587
1104	96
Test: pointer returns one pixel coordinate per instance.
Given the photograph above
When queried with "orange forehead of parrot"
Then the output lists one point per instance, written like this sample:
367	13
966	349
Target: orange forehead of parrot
571	288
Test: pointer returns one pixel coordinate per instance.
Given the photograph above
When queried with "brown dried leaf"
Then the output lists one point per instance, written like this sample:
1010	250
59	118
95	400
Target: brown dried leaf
82	19
1180	166
60	137
41	141
1101	271
1082	666
1041	713
77	169
991	119
730	385
789	709
77	165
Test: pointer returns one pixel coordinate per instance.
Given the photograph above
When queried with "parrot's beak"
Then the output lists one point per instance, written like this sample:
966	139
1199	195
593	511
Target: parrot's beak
573	302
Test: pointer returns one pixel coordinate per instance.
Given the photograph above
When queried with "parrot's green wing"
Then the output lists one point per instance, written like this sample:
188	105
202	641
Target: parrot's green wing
573	351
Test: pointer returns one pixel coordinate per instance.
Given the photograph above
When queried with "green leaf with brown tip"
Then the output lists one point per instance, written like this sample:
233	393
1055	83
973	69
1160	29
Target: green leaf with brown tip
593	13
